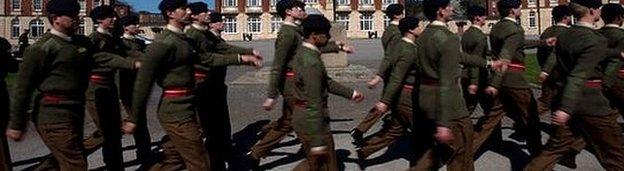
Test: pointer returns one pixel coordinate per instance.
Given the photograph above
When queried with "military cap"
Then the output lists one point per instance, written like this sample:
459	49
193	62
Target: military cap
475	11
610	12
102	12
431	7
216	17
129	20
561	11
595	4
198	7
63	7
509	4
408	23
315	24
170	5
394	10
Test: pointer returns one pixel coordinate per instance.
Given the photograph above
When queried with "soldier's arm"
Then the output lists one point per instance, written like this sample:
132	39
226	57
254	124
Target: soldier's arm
210	59
339	89
29	76
226	48
395	82
106	59
474	72
312	75
155	58
331	47
550	63
614	63
448	50
580	73
284	43
530	44
510	45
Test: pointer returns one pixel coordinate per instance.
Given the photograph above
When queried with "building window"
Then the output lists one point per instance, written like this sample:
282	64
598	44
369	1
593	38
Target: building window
83	5
229	3
310	1
15	28
97	3
230	24
276	23
253	24
554	3
386	21
344	20
36	28
366	22
366	2
37	5
531	3
16	4
254	3
388	2
343	2
81	27
532	19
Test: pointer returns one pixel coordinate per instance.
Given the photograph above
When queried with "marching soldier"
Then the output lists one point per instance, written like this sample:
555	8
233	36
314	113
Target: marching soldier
7	65
58	66
546	57
390	37
398	90
211	89
439	95
311	87
169	62
613	16
582	113
102	94
510	91
474	42
288	39
134	48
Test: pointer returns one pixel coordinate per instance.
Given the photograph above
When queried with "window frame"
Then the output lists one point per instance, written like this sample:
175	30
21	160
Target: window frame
345	20
367	18
276	23
252	21
37	28
15	28
532	19
230	25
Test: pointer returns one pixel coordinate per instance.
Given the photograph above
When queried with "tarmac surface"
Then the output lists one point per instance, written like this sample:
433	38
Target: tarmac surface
248	118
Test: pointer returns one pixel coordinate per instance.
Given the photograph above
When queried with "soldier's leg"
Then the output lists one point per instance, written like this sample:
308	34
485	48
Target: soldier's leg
604	136
5	155
187	141
328	162
368	122
461	157
276	134
171	159
218	141
143	141
489	123
95	139
522	105
65	142
561	142
107	106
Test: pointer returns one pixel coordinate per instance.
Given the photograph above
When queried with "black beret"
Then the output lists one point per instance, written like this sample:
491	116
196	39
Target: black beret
198	7
509	3
102	12
283	5
595	4
476	11
129	20
394	10
316	24
170	5
63	7
215	17
408	23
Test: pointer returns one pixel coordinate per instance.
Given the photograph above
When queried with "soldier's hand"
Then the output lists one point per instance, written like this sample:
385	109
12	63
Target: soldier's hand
542	77
137	64
14	134
443	134
560	118
128	127
622	55
472	89
357	97
381	107
500	65
252	60
373	82
347	49
552	41
268	104
320	151
256	53
491	91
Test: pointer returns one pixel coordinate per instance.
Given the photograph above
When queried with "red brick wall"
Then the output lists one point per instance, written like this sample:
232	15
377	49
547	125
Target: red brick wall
241	5
354	5
27	7
377	4
218	5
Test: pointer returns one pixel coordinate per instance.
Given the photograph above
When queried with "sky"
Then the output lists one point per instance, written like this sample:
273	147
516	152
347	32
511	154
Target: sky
152	5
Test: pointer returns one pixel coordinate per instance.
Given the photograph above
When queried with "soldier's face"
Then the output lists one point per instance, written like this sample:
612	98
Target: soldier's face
219	26
108	23
132	29
447	12
181	15
69	24
321	39
203	17
296	13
